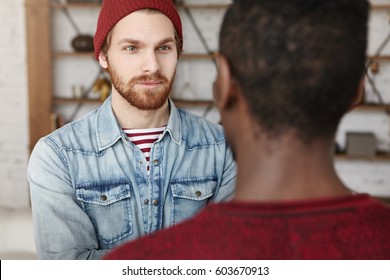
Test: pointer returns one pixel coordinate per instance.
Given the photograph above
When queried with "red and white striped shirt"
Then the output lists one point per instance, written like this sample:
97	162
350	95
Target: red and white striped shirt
144	139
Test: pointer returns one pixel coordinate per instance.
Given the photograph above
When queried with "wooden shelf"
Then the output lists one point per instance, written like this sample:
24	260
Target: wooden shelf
380	57
178	102
377	157
71	101
193	103
380	6
372	107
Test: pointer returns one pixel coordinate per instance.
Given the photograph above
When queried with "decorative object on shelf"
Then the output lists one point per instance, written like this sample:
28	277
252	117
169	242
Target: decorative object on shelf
83	43
337	148
78	91
374	66
102	86
361	144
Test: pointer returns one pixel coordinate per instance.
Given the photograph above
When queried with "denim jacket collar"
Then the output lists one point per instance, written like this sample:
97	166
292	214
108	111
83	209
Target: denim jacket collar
108	131
174	127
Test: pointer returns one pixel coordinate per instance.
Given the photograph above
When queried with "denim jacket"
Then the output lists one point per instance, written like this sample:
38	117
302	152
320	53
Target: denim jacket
90	189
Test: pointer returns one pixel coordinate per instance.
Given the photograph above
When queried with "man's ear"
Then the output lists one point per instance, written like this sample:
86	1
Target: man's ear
225	93
359	94
103	60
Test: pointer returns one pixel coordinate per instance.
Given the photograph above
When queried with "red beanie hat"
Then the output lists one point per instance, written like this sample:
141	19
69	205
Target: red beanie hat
113	11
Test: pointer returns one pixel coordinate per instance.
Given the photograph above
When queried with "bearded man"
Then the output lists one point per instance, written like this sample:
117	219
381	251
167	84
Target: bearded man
137	164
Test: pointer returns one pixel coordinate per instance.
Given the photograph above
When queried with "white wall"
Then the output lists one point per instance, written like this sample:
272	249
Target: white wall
365	176
369	175
14	135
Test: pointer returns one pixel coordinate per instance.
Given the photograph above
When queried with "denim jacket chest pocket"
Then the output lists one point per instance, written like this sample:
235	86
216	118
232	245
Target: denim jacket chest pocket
190	195
108	206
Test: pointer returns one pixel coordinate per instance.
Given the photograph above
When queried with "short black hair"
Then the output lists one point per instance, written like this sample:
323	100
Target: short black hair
297	62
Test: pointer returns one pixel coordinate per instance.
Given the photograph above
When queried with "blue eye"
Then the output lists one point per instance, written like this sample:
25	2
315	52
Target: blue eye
164	48
130	48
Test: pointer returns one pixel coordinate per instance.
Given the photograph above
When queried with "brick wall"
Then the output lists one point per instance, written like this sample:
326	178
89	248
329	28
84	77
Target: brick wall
13	106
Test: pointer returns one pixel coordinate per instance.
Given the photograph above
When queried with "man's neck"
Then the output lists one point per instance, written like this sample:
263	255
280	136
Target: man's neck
286	169
129	116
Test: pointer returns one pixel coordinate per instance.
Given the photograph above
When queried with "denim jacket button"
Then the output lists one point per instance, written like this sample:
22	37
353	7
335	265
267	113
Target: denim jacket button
103	197
198	193
146	201
155	202
155	161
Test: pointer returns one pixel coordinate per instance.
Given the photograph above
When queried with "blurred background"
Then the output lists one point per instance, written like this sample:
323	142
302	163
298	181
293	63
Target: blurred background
48	77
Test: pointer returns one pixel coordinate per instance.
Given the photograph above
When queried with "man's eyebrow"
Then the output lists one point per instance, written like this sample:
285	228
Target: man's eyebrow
166	40
140	43
129	41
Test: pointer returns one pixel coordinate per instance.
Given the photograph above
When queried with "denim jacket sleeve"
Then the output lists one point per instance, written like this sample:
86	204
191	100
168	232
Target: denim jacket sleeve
56	212
226	189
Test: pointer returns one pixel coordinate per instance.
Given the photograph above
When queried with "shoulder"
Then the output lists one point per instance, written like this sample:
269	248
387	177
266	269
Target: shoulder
79	134
198	129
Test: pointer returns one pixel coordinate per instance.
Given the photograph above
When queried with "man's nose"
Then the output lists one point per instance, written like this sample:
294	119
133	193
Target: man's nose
150	62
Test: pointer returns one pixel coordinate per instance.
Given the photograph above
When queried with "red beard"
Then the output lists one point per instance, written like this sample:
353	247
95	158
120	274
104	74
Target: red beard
143	99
